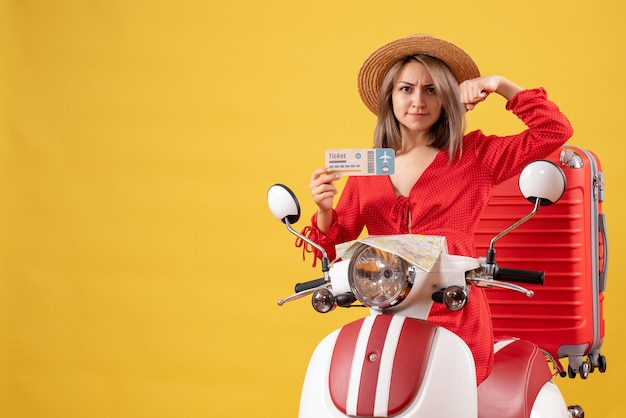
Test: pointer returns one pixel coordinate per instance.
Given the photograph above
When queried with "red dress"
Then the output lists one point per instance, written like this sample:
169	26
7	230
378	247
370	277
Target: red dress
448	200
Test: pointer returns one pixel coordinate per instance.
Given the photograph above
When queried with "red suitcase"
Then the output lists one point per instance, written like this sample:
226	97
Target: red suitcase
568	241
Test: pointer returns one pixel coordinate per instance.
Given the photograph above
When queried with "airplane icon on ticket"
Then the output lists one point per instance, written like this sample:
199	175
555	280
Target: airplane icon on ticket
385	157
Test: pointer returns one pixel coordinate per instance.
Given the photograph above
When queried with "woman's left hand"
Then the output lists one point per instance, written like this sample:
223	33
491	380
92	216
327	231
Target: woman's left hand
476	90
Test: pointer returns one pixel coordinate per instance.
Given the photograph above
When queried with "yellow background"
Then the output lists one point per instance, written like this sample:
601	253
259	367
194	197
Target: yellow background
140	266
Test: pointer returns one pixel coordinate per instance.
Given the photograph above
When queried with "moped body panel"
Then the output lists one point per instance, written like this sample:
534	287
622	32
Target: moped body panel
418	370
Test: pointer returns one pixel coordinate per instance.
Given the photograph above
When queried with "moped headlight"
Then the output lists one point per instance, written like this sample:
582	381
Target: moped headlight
378	279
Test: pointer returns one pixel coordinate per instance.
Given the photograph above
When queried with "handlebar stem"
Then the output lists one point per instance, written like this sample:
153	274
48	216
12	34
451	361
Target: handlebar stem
512	227
325	260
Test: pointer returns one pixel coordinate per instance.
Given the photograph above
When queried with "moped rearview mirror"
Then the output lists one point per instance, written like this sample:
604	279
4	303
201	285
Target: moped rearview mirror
283	203
543	183
542	180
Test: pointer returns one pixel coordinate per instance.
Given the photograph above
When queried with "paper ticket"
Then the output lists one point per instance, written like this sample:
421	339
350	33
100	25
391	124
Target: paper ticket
361	161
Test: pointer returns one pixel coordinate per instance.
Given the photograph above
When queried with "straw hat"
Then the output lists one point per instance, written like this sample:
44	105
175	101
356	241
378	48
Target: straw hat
380	61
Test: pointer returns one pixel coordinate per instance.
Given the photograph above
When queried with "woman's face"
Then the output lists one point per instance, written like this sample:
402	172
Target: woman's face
415	102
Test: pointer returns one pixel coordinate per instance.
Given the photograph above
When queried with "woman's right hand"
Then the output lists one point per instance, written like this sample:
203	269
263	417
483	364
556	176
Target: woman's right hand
323	189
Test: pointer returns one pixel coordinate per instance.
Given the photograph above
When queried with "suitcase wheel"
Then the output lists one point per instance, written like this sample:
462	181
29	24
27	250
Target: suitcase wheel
583	370
597	360
602	363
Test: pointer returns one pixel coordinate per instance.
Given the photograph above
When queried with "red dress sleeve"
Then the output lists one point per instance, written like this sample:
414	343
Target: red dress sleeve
506	156
347	223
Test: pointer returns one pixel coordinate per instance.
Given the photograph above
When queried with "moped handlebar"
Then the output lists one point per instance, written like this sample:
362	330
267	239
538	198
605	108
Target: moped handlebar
301	287
520	276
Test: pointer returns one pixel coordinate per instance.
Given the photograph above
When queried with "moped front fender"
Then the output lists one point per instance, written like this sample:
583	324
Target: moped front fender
384	352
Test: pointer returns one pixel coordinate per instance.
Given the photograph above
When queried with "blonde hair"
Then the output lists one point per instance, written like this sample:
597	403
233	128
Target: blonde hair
447	132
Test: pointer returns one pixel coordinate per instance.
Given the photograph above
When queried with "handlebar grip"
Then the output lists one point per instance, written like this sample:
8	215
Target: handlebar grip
300	287
520	276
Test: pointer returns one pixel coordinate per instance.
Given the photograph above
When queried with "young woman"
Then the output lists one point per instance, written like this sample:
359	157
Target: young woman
420	87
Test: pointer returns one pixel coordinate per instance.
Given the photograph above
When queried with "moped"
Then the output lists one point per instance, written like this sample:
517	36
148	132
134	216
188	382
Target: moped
393	362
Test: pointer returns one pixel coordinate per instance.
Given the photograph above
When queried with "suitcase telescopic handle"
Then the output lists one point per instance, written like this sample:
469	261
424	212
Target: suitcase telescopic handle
520	276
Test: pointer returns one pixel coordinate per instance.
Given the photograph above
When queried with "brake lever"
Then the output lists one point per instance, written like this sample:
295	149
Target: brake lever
301	294
489	283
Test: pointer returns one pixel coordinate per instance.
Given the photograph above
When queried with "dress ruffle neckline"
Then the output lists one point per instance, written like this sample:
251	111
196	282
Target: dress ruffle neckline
400	214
